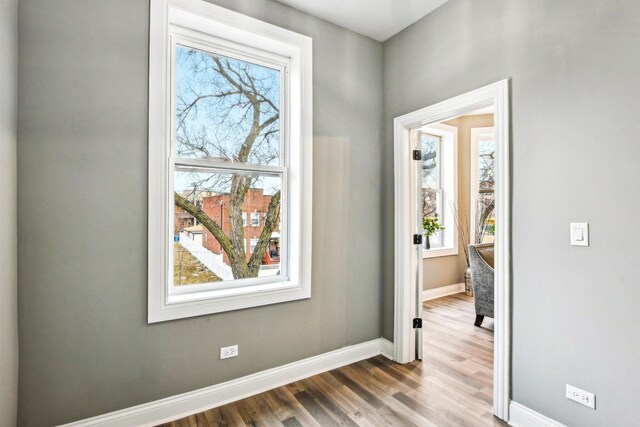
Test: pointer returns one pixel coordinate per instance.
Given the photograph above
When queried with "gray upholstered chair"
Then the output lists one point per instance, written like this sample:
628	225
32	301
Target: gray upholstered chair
481	261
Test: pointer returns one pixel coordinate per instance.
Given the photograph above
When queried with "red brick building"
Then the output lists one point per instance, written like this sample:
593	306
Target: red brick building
254	210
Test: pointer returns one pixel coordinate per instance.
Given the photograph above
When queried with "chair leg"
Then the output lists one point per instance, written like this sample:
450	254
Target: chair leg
479	320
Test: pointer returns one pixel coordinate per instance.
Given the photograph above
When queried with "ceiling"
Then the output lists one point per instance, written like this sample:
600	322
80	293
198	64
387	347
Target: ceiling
378	19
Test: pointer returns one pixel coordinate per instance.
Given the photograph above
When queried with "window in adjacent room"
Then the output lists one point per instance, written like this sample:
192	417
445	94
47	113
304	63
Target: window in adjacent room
438	143
431	183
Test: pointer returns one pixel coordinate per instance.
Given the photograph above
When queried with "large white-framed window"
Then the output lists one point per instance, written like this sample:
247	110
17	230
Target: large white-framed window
229	133
482	185
439	168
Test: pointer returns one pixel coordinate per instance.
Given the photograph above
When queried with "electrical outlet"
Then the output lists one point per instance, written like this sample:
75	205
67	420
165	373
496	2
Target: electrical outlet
227	352
583	397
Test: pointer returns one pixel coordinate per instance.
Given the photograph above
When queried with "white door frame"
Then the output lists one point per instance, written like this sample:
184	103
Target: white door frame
405	258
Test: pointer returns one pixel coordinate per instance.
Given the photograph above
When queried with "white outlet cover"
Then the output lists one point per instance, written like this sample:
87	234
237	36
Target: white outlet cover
582	397
228	352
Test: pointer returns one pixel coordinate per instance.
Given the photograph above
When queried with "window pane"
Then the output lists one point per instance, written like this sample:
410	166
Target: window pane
485	209
210	233
226	109
430	161
430	203
486	156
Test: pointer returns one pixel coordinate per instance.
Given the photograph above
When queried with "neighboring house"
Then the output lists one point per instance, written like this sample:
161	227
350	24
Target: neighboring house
181	220
194	233
254	209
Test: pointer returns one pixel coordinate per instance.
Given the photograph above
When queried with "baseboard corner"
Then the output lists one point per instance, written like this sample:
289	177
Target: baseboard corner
386	348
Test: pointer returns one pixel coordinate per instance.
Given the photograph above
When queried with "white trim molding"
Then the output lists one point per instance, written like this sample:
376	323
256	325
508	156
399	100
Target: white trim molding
181	405
521	416
442	291
407	256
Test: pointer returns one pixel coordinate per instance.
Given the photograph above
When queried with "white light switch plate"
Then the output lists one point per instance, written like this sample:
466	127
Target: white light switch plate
579	233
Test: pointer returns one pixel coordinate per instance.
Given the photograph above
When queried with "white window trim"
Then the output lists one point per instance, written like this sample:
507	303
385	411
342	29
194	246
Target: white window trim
477	135
449	186
218	22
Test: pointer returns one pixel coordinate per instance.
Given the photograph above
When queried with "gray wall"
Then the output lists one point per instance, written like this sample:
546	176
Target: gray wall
574	68
8	212
82	157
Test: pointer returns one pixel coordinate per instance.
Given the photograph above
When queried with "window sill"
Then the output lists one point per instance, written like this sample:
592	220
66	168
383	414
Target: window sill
439	252
209	302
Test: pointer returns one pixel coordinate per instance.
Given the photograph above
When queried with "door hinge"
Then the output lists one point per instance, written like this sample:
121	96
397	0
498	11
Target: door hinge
417	239
417	323
417	155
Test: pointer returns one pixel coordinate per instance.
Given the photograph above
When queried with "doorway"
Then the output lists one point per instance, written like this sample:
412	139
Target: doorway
409	201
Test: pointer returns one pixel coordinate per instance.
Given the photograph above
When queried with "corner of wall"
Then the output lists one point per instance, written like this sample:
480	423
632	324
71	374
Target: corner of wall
8	215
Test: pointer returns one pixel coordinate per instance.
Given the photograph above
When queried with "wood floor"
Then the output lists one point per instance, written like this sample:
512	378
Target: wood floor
451	387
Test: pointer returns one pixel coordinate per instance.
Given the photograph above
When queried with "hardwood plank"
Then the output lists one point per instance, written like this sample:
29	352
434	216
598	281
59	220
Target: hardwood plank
315	409
231	415
291	422
214	417
427	412
369	397
331	402
263	412
329	396
394	372
285	397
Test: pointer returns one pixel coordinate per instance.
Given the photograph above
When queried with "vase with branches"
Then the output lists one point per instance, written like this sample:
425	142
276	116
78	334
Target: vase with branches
462	225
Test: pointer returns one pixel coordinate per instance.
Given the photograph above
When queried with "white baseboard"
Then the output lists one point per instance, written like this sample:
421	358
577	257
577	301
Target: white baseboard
175	407
521	416
443	291
386	348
